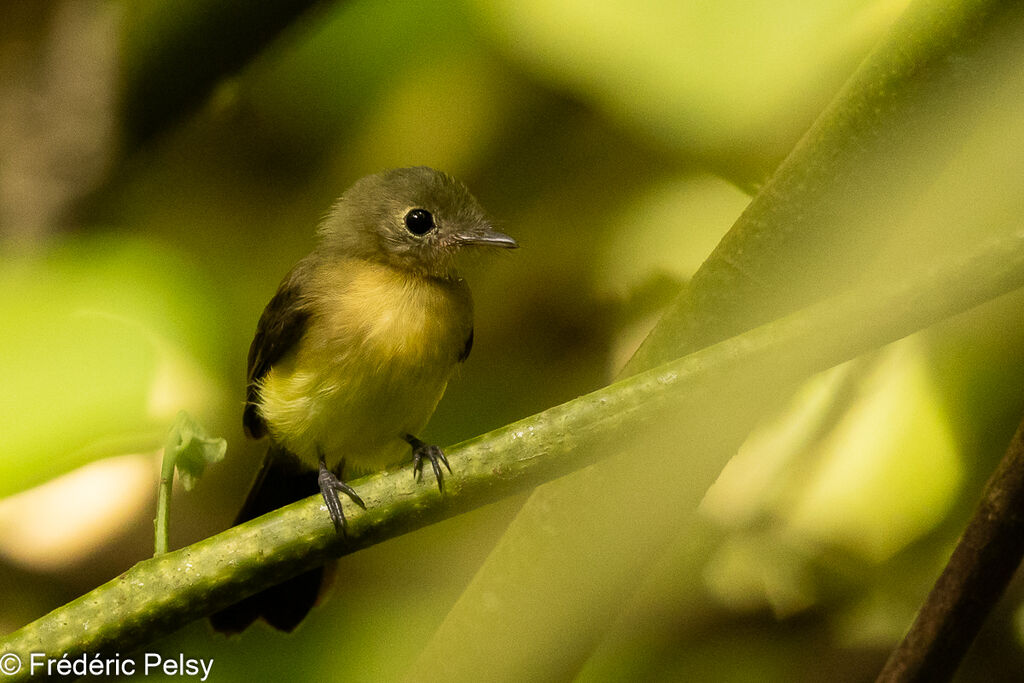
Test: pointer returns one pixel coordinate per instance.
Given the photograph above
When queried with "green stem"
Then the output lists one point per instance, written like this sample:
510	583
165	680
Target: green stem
161	524
162	594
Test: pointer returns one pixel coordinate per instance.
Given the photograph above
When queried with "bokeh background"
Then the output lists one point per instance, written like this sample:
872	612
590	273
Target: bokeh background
164	163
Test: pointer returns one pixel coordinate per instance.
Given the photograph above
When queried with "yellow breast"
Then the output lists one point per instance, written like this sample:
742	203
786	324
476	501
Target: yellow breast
376	355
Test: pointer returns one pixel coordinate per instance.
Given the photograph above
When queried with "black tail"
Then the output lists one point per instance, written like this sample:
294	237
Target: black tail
282	480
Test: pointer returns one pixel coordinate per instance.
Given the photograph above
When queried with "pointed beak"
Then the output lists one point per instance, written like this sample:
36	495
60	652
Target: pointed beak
487	237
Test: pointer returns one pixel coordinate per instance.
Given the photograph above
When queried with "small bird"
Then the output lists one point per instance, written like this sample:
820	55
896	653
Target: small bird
353	353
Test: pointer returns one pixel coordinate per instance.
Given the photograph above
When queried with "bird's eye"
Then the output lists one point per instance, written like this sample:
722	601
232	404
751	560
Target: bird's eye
419	221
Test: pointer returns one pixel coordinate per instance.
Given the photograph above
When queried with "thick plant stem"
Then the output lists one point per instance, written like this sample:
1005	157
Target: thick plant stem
160	595
885	138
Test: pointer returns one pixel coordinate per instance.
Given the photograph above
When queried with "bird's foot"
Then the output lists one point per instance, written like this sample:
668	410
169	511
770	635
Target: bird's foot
423	451
330	485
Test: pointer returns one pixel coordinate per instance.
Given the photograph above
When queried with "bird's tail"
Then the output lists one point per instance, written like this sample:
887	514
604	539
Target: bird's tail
282	480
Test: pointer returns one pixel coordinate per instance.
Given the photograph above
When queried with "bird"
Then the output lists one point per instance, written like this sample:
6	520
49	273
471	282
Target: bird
353	353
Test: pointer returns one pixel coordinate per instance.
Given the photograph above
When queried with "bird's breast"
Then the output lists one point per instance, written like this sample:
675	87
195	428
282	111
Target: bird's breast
374	361
395	316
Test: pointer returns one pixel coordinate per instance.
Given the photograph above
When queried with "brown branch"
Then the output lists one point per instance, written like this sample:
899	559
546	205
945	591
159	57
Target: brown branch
977	574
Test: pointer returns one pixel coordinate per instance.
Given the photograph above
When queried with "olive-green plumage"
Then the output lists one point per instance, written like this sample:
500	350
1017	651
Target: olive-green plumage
354	351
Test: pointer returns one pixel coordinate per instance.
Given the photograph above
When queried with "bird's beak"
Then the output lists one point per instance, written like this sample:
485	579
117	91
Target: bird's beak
486	237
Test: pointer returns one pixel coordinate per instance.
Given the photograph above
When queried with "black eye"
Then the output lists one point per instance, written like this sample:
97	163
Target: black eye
419	221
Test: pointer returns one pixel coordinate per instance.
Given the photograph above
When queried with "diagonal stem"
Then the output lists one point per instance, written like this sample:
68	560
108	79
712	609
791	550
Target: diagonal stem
160	595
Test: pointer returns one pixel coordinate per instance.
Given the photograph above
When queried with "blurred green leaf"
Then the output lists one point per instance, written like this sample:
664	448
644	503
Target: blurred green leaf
94	355
737	81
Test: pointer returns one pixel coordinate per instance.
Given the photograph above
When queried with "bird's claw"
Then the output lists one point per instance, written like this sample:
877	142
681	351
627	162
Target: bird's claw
330	486
423	451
